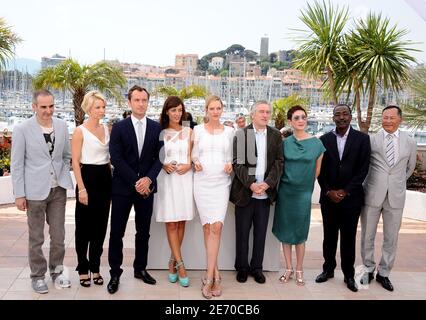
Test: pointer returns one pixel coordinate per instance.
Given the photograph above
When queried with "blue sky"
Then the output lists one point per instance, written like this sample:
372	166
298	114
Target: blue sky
153	31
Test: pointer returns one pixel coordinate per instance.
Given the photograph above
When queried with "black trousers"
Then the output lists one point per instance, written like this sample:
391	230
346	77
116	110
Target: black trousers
335	219
256	213
121	206
91	221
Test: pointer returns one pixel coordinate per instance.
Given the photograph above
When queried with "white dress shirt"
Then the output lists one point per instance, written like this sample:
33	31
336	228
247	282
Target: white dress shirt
261	159
341	141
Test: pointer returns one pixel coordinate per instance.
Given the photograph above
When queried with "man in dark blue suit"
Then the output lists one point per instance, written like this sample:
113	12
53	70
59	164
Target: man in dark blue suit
344	167
134	147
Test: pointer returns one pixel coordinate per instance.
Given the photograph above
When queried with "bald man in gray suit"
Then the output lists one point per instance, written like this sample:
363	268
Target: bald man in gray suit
393	159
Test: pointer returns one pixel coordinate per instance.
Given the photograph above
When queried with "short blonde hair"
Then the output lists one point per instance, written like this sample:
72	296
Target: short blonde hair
89	100
210	99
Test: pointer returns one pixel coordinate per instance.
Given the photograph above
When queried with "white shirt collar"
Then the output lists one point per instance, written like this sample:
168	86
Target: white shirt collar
260	132
136	120
396	133
345	135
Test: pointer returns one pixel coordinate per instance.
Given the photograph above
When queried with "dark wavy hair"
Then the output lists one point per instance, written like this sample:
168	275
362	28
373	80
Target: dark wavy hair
293	110
171	102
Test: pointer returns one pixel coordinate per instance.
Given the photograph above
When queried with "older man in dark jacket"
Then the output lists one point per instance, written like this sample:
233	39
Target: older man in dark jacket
258	164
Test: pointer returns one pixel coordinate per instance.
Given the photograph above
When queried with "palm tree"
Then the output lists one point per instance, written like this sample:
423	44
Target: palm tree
192	91
281	106
379	58
320	49
8	41
415	112
79	79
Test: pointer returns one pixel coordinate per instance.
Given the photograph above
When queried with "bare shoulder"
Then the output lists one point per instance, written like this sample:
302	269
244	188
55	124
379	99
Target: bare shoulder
77	130
77	134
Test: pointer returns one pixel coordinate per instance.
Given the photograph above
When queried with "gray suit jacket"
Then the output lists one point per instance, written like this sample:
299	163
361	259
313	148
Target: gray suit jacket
382	179
30	163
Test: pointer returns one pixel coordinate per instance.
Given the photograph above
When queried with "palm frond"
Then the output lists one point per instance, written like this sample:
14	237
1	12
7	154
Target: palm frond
79	79
166	91
320	47
380	54
415	112
8	41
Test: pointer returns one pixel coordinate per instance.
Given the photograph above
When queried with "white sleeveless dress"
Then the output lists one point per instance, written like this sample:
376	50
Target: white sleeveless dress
212	185
174	200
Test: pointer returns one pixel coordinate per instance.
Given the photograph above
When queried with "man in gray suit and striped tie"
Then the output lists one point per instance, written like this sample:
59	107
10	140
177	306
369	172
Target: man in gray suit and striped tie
393	159
40	175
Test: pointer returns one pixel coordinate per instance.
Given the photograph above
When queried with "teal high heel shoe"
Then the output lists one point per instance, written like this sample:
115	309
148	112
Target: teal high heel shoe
184	282
173	277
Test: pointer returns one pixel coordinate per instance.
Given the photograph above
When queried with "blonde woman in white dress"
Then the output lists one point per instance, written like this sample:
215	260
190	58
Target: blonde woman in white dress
212	158
173	202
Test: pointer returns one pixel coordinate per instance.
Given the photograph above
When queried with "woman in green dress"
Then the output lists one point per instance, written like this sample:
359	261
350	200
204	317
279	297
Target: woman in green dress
302	163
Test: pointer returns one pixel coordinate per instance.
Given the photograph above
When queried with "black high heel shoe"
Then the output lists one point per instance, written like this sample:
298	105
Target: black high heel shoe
85	282
98	280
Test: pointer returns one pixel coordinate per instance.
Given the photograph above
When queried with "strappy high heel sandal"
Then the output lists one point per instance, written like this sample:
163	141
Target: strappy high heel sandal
299	278
172	276
288	274
183	281
98	280
85	282
206	287
217	284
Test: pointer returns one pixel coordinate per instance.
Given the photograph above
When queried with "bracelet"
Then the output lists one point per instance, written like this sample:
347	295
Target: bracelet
80	191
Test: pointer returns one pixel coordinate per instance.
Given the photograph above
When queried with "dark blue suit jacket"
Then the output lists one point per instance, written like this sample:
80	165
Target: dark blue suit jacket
128	166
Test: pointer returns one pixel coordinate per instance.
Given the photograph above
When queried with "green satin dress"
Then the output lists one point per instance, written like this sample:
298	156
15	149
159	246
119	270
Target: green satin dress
293	208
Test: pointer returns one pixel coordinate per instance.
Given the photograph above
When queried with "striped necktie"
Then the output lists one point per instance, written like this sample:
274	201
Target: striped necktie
390	150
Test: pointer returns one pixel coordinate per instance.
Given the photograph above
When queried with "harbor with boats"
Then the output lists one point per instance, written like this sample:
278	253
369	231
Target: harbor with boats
319	119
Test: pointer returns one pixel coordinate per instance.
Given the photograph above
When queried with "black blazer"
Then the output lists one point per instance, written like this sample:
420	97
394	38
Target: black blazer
349	173
128	166
244	164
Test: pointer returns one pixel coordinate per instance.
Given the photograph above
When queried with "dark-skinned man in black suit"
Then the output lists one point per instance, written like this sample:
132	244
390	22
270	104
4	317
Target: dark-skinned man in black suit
344	168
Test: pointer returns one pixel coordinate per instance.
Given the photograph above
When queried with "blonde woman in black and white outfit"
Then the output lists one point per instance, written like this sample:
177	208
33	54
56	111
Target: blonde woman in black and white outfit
91	165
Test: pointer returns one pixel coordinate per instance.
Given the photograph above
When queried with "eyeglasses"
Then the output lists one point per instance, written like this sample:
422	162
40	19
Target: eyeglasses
297	118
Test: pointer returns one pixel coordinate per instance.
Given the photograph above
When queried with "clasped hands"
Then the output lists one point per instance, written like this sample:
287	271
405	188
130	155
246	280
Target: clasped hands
259	188
142	186
181	168
227	168
337	195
